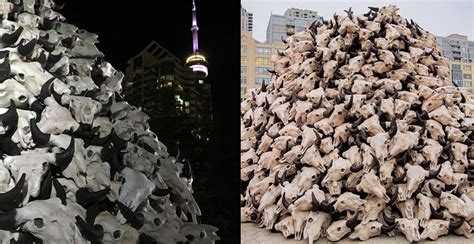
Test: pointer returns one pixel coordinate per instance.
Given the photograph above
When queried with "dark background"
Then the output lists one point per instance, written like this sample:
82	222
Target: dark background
126	27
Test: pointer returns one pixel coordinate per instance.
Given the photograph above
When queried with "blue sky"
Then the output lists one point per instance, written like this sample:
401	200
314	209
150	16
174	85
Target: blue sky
440	17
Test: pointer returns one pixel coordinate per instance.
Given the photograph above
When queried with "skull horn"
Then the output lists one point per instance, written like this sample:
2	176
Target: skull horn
162	192
435	173
389	221
318	104
93	234
455	225
434	191
328	207
39	138
328	112
398	180
357	122
46	89
10	39
356	167
63	159
60	192
7	220
385	229
85	197
402	160
393	128
351	224
314	203
436	214
46	184
132	218
349	105
27	49
11	199
284	202
375	9
449	187
393	198
10	118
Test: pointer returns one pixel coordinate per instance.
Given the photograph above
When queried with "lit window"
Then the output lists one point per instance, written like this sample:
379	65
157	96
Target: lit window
262	61
243	60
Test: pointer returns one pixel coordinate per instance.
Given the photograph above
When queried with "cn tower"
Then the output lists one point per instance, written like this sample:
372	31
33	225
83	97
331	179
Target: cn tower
196	61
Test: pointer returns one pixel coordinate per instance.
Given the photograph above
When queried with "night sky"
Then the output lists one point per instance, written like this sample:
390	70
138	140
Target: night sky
126	27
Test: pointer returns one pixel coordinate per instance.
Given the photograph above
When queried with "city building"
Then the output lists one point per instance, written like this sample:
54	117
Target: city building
293	20
460	51
246	20
155	70
254	62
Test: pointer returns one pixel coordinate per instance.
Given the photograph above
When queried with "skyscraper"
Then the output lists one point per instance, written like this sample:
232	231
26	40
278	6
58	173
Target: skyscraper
294	20
460	51
246	20
196	61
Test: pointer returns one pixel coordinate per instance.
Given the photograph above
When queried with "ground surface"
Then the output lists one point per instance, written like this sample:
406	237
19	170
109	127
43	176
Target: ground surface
251	234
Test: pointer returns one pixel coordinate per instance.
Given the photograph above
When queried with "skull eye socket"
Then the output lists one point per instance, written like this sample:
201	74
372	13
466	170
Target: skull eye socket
449	197
310	220
342	202
440	226
89	153
378	204
338	229
117	234
372	228
342	170
38	222
313	177
403	226
157	221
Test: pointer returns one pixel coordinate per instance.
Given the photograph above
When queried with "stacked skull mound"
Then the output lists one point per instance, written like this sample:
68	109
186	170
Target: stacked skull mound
360	131
79	164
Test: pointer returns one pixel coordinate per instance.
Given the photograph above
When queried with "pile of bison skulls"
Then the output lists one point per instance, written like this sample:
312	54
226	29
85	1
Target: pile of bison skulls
359	133
79	164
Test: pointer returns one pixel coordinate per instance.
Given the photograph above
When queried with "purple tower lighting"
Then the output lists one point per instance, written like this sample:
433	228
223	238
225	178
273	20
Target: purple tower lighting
196	61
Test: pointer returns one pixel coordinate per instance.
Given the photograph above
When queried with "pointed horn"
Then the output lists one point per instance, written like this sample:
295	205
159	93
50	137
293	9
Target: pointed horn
39	138
317	105
436	214
435	173
7	220
351	223
455	225
449	187
161	192
131	217
27	49
398	180
356	167
60	192
276	180
284	202
393	128
349	104
12	198
10	118
388	220
93	234
314	203
356	123
385	229
84	197
402	160
328	207
393	198
46	89
46	186
328	113
63	159
255	204
10	39
434	191
375	9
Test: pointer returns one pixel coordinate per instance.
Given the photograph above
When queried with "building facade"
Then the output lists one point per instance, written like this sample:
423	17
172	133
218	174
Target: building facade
176	99
246	20
254	62
293	20
460	51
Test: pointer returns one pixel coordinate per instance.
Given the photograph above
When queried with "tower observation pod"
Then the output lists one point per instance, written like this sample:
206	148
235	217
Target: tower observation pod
197	62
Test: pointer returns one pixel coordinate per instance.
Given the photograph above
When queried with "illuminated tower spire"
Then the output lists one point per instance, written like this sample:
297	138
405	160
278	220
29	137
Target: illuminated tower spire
195	29
196	61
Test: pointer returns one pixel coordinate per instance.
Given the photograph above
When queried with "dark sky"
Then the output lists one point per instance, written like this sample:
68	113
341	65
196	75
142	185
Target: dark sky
126	27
